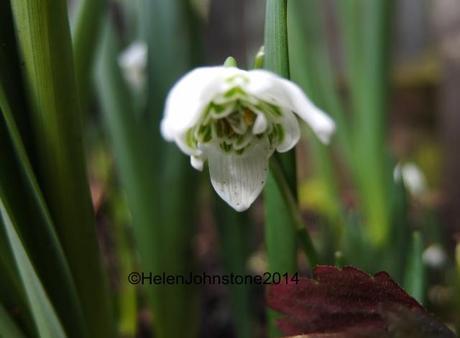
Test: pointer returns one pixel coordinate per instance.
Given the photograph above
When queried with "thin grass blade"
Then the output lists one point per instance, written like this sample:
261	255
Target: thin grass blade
8	327
45	318
366	27
86	34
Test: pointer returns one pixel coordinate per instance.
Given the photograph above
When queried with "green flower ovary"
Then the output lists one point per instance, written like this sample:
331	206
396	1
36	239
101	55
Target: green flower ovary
230	125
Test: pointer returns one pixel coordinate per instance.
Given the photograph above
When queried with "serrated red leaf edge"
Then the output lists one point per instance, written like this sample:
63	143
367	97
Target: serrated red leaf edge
337	300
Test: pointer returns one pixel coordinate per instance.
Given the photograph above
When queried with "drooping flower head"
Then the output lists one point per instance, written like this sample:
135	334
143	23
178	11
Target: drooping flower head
236	119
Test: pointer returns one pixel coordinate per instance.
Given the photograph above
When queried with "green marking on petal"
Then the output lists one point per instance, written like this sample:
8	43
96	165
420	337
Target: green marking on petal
280	132
228	122
217	108
271	137
271	109
225	147
276	109
235	91
243	141
190	138
204	133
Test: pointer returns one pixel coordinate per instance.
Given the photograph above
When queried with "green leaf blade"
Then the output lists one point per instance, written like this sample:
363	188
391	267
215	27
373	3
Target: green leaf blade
45	318
45	44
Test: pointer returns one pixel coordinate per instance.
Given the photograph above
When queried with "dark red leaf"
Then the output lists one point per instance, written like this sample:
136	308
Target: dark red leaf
347	302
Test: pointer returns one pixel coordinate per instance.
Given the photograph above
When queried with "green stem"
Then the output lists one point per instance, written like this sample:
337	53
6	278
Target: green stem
281	244
276	38
280	238
296	217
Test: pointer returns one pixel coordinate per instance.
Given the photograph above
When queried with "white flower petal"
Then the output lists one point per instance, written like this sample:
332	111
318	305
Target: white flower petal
273	89
319	121
291	132
191	95
260	124
239	179
196	162
181	141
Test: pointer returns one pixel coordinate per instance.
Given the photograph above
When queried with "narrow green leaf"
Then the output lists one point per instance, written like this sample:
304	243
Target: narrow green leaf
234	232
174	46
311	67
11	83
131	146
45	44
401	233
127	295
45	318
280	236
12	294
366	26
174	42
86	34
414	279
312	70
19	186
8	328
160	223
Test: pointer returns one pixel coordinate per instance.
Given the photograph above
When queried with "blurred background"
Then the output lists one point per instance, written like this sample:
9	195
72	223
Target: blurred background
383	196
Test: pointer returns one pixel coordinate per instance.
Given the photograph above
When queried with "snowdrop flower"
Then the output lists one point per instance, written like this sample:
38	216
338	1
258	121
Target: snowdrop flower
434	256
133	62
235	120
412	176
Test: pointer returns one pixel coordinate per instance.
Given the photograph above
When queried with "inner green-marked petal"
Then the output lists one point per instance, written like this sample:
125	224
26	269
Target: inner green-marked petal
231	125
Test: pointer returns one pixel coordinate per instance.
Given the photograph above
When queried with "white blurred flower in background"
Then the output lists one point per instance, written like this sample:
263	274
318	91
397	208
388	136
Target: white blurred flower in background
412	176
133	62
434	256
235	120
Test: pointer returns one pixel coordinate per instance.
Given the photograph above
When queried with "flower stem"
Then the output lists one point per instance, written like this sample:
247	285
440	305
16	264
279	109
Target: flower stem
276	37
297	221
280	238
